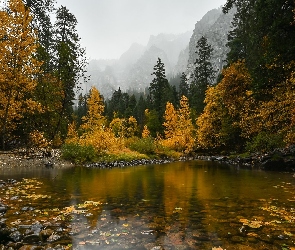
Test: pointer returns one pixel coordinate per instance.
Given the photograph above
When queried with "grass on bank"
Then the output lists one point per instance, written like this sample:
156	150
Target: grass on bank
135	148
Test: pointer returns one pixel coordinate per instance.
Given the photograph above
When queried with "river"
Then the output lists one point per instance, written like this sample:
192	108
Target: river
180	205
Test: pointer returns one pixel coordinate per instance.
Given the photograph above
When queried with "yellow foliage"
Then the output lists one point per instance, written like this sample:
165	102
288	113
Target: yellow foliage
124	128
179	130
224	105
171	120
145	133
93	131
94	117
17	66
38	140
231	103
72	136
209	123
102	139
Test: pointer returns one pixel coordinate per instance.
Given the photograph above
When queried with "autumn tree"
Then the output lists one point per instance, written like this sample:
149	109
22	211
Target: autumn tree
95	107
264	36
18	68
94	132
179	130
124	127
204	75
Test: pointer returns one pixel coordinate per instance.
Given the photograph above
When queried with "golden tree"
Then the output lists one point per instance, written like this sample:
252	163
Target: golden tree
186	130
95	106
209	123
17	67
145	132
124	128
94	132
179	130
219	124
171	121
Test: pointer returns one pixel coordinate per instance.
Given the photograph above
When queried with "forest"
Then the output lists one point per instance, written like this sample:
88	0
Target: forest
247	107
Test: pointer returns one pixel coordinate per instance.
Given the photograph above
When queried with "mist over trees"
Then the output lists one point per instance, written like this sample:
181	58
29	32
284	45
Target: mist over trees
248	105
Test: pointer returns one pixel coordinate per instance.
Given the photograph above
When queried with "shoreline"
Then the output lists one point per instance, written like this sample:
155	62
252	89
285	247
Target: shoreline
277	160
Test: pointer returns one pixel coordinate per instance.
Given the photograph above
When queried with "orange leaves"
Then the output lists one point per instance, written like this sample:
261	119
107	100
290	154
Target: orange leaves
179	130
94	132
18	66
94	117
145	132
124	128
231	105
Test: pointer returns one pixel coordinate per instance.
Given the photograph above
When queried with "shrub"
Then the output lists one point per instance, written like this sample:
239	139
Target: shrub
142	145
79	154
265	142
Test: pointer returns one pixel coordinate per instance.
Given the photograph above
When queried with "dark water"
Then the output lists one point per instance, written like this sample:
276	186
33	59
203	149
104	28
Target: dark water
183	205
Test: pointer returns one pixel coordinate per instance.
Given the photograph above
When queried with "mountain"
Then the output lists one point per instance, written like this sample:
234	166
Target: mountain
134	68
215	26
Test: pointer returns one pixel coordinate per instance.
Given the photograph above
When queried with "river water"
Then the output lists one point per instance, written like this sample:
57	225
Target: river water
181	205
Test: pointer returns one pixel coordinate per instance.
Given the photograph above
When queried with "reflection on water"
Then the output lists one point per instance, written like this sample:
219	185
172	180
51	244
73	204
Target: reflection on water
183	205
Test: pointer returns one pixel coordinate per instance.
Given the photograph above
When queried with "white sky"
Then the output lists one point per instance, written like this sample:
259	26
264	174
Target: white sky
108	27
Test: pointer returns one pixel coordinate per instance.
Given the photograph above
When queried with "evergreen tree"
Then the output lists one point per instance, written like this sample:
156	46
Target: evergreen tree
70	63
183	86
204	75
141	106
160	94
159	88
264	36
81	109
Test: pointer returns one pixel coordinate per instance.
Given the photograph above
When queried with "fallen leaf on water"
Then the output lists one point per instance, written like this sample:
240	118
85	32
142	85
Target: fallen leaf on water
252	234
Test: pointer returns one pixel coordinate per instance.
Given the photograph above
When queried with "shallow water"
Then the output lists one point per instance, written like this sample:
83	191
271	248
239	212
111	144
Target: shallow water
181	205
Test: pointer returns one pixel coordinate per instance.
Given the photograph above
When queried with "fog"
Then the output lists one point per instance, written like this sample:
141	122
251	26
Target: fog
108	27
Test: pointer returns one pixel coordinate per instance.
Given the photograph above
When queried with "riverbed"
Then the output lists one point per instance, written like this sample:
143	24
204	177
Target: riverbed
179	205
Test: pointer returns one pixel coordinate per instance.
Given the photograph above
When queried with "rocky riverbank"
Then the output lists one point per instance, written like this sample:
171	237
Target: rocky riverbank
277	160
32	159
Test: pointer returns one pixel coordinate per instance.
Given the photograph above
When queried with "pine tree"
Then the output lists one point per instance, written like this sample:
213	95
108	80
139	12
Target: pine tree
183	86
204	75
159	88
160	94
70	63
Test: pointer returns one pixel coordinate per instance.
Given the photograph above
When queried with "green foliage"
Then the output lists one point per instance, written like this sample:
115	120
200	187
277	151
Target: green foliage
265	142
264	36
160	90
142	145
204	75
78	153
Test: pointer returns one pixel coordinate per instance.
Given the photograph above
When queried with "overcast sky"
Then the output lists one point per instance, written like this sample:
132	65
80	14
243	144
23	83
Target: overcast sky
108	27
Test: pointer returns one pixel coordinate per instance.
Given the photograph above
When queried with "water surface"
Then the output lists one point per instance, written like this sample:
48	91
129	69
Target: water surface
181	205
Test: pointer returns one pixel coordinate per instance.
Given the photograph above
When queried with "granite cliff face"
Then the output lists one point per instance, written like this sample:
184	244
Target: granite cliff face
178	52
215	27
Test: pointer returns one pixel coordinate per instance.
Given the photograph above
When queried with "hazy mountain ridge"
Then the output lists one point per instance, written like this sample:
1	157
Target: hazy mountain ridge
134	68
